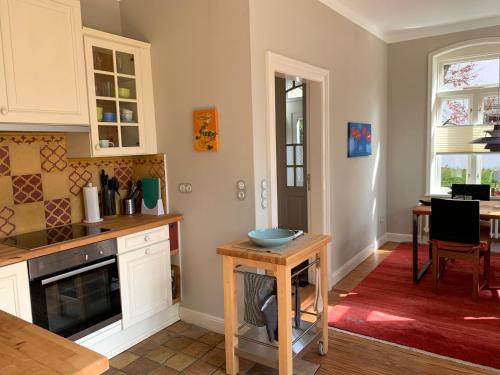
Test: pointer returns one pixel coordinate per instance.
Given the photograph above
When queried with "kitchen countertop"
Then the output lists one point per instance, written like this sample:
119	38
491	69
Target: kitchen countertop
119	226
28	349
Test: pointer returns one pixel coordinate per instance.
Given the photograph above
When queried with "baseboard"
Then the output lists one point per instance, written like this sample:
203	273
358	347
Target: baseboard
355	261
399	237
210	322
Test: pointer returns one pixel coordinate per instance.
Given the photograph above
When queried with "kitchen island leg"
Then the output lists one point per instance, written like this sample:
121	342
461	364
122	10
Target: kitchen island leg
283	278
230	316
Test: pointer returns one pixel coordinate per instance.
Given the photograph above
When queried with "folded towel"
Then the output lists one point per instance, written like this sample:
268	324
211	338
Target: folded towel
258	288
270	313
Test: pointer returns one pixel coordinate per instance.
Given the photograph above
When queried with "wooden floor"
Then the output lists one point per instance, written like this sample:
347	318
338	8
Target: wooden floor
351	355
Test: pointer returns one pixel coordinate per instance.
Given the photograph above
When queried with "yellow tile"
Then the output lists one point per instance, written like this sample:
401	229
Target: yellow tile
6	197
29	217
25	159
77	210
55	185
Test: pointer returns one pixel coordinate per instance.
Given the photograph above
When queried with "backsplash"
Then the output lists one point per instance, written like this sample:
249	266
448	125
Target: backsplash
40	187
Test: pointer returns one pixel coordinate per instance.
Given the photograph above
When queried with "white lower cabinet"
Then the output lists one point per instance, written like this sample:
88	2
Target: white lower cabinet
15	290
145	282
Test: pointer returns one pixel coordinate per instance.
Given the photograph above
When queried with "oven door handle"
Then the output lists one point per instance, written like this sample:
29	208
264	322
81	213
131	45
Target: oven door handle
78	271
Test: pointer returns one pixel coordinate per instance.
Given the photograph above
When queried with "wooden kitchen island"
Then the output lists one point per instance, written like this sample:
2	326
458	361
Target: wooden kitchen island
249	342
28	349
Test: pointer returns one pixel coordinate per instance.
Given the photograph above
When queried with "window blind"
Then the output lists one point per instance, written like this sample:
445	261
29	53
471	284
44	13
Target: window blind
456	139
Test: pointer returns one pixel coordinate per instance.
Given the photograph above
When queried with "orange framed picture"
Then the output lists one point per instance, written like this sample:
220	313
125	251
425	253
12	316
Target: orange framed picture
206	130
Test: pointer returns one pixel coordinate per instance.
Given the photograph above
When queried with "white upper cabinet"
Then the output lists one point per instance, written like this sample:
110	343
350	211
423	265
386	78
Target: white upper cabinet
120	92
42	70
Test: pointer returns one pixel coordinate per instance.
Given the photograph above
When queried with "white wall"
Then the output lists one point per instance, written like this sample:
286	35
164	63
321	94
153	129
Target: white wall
201	58
309	31
408	65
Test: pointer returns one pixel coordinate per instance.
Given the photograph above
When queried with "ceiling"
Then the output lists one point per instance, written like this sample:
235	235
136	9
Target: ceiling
398	20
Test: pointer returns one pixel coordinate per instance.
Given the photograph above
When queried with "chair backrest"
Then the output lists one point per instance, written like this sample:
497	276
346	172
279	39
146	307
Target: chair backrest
476	191
455	221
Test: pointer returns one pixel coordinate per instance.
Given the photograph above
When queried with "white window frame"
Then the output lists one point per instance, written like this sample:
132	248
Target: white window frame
436	95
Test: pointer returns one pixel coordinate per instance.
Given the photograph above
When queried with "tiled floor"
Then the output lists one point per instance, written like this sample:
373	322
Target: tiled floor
179	349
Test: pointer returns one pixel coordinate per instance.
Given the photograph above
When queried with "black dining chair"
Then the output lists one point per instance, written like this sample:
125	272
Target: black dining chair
455	234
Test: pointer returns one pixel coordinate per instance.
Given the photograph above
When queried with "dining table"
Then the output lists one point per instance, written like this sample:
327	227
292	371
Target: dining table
489	210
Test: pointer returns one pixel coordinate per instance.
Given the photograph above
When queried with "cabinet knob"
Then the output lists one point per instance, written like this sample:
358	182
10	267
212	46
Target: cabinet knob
146	238
4	110
147	251
97	147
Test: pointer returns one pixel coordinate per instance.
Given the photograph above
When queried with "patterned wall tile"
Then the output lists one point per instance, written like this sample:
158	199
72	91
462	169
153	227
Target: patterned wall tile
25	159
29	217
124	175
27	188
6	197
4	161
7	223
57	212
53	157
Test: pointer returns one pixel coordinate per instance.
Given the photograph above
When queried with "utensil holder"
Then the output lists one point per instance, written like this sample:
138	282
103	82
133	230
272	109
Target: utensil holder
108	202
128	206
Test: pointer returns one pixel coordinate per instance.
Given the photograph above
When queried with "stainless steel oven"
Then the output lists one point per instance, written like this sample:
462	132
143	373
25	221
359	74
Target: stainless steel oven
77	291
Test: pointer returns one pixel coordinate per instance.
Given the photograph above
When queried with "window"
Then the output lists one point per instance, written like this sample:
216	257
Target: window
464	105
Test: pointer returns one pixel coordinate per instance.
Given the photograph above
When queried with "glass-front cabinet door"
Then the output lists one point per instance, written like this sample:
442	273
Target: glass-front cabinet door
116	95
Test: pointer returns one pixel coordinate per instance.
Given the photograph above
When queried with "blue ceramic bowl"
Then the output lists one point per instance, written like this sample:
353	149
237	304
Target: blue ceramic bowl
273	236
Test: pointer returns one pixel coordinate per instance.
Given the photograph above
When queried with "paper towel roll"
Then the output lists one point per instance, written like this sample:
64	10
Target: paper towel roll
91	202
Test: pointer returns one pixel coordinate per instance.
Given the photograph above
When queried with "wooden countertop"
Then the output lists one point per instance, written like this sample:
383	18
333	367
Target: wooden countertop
288	255
28	349
119	226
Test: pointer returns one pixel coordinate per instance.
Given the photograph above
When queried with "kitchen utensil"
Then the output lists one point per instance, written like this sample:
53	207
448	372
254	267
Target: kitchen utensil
99	113
128	206
124	92
318	299
271	237
104	179
105	143
126	115
109	117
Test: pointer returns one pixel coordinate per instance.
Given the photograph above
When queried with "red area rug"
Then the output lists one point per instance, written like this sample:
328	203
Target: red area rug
387	305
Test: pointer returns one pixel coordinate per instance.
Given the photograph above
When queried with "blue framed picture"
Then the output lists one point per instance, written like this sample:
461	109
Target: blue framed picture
359	139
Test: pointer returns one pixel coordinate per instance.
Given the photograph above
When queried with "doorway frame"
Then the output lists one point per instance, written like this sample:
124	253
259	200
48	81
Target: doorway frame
276	63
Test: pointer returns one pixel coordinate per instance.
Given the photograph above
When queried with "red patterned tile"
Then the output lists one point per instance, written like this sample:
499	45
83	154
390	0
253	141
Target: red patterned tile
7	226
78	178
53	157
4	161
27	188
57	212
124	175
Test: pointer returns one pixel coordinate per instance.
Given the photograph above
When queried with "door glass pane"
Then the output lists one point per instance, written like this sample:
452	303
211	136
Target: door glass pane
453	169
128	112
490	169
108	136
106	111
290	177
126	88
300	176
104	85
455	111
125	63
103	59
299	155
130	136
289	155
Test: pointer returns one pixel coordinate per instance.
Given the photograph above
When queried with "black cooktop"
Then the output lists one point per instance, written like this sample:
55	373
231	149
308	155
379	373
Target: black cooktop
34	240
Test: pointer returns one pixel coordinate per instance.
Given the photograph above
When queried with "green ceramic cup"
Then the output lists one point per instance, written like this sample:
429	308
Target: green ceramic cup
124	92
